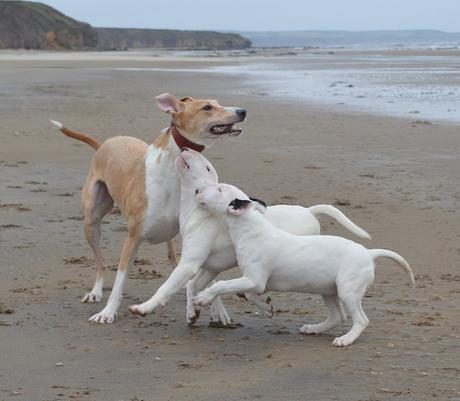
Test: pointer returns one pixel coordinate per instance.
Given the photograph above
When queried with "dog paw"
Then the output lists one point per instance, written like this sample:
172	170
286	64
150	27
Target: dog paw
145	308
218	324
193	313
267	308
91	297
219	315
137	310
103	317
222	322
192	317
309	329
204	298
343	341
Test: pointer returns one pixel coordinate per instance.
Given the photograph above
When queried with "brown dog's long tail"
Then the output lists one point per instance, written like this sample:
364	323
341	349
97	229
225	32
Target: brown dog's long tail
77	135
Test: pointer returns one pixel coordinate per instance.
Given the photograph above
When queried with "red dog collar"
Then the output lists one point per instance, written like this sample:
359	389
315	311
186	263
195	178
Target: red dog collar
183	142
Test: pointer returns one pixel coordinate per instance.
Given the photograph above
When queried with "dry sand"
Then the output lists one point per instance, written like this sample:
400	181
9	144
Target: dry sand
397	178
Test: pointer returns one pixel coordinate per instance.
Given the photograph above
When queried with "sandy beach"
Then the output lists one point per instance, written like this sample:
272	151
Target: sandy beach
395	175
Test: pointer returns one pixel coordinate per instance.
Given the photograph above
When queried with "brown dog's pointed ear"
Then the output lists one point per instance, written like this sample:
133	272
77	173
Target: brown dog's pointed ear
168	103
260	205
187	99
239	206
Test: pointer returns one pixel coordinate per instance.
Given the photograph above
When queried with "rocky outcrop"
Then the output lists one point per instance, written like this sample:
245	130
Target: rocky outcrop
29	25
120	38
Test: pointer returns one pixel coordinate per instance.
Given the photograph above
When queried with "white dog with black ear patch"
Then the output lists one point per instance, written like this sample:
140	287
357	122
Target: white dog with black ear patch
206	245
272	259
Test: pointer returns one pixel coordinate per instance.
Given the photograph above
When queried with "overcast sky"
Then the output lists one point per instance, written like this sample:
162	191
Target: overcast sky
266	14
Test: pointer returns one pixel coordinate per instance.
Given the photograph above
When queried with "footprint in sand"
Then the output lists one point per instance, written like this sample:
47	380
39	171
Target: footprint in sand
7	226
19	207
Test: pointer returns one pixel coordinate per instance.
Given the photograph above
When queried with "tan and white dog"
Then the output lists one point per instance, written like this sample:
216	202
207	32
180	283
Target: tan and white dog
142	180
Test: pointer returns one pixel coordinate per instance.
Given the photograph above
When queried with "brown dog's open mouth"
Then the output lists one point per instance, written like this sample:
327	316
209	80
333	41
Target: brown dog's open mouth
224	129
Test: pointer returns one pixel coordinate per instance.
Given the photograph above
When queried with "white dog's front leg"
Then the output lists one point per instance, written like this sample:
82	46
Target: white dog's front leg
242	284
178	278
219	315
192	312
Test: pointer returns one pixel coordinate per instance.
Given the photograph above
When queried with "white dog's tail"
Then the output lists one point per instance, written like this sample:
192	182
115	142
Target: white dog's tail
384	253
336	214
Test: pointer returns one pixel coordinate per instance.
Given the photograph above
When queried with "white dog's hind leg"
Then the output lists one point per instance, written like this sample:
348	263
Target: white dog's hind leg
264	306
360	322
336	316
351	296
219	315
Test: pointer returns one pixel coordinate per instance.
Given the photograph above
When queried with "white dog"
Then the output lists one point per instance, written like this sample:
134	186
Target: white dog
206	245
272	259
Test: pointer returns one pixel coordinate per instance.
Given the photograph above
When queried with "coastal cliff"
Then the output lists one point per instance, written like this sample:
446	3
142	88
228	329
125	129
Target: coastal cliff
31	25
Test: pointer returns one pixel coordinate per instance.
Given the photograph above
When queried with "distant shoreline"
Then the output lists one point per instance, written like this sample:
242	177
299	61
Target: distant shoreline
325	39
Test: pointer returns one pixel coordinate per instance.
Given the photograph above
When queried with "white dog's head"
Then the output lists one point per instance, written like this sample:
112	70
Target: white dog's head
195	169
227	199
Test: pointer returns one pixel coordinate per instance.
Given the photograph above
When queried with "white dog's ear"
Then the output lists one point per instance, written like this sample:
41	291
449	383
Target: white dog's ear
239	206
168	103
260	205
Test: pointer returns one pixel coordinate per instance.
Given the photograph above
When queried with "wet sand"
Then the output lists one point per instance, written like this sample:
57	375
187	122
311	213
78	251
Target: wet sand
398	178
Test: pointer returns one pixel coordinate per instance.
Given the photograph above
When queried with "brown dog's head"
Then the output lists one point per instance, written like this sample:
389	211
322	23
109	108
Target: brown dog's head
201	119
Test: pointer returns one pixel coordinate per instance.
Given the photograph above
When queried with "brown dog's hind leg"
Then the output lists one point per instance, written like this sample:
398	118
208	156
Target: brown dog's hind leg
97	202
128	253
173	256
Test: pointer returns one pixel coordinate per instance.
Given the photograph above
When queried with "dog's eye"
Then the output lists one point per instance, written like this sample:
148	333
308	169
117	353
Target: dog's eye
219	189
207	168
207	107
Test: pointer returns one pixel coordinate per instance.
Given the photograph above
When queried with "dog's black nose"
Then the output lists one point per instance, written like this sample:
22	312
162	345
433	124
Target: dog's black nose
241	113
184	149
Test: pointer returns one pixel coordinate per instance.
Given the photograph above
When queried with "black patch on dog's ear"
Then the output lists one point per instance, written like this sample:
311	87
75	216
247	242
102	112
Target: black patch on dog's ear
259	201
237	204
